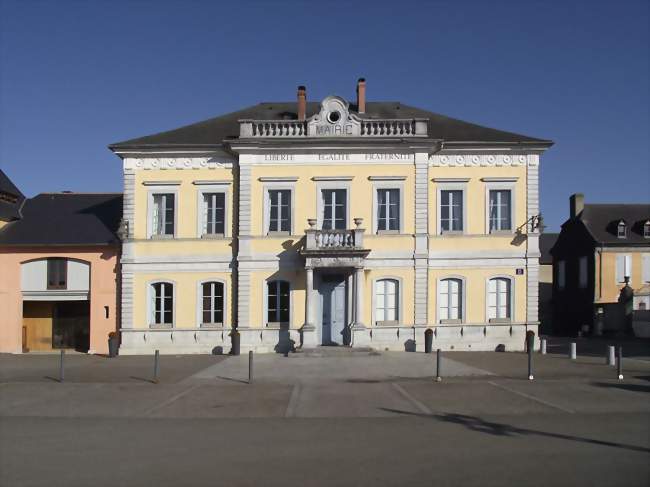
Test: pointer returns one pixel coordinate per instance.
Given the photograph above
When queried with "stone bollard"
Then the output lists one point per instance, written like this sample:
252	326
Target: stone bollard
542	346
438	371
530	363
156	369
572	351
62	367
620	363
611	355
250	367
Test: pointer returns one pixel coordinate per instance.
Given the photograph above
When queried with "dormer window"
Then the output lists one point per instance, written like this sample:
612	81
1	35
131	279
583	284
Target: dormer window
621	229
646	229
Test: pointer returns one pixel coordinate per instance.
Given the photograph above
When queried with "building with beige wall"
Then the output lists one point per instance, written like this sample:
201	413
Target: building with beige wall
329	223
600	248
58	273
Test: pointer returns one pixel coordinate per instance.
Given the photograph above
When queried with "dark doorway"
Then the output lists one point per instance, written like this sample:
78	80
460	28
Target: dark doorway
71	325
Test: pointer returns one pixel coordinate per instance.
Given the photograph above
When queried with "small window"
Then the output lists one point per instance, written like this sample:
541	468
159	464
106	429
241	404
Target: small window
499	295
214	213
582	272
213	303
622	229
162	305
646	229
387	298
388	210
57	273
561	274
451	300
277	302
163	214
451	211
280	210
500	210
334	209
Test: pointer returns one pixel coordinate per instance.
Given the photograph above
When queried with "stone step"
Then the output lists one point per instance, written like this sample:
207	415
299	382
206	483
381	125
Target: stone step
333	351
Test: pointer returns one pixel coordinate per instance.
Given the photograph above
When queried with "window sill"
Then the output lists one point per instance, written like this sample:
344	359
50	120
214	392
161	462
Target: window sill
277	325
388	232
213	236
500	320
451	322
278	234
161	327
387	323
212	326
501	233
451	233
161	237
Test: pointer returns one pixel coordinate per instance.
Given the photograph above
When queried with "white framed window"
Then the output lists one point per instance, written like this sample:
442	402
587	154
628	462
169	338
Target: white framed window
388	210
279	211
623	268
387	298
645	267
646	229
451	210
161	304
335	211
163	214
214	213
561	274
500	210
278	302
450	300
213	303
621	229
499	299
583	275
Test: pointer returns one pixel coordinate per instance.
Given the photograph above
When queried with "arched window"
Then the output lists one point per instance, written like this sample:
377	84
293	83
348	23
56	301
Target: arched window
162	304
386	300
499	298
277	302
212	311
451	299
622	229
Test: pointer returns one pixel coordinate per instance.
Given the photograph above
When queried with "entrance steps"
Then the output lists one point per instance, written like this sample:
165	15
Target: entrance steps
333	351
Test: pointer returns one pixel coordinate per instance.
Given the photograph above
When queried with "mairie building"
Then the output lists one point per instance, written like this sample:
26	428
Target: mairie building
304	224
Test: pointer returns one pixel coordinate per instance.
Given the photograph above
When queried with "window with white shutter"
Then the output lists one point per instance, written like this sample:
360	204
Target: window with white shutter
386	300
646	268
499	296
623	268
582	272
450	299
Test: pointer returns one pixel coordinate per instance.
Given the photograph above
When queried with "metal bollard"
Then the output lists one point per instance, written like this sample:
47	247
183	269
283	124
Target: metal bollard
62	367
530	363
572	352
542	346
250	367
611	355
156	359
620	363
438	371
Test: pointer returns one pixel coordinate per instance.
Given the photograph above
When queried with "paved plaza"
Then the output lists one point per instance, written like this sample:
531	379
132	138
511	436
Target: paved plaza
327	417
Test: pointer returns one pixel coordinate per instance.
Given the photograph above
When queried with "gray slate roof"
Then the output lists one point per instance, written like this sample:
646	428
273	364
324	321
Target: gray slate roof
601	220
66	219
9	211
213	131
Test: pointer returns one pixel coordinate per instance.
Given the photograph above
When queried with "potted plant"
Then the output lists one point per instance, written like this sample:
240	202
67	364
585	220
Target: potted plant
113	343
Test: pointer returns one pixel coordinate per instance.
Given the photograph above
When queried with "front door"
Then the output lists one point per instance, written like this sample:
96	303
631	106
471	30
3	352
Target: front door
332	291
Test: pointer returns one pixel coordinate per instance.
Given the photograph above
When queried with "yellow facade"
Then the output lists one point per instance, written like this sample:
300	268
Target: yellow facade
607	286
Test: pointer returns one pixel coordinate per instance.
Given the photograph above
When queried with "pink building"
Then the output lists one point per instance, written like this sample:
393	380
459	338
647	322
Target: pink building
58	270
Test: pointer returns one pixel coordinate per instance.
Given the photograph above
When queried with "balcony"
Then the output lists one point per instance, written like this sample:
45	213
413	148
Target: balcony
337	244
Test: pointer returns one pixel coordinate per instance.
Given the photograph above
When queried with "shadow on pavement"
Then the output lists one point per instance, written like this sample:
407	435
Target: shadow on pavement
625	387
475	423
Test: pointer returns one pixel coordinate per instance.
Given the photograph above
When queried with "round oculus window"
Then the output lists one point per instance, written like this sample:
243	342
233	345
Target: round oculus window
334	116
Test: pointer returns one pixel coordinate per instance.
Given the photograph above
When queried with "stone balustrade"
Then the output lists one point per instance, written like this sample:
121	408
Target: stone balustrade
361	128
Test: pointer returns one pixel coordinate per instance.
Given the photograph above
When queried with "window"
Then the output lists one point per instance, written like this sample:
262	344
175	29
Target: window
582	272
623	268
500	210
334	209
621	230
277	302
450	299
280	210
499	295
386	299
163	214
213	303
214	213
57	273
451	210
561	274
645	267
388	210
162	304
646	229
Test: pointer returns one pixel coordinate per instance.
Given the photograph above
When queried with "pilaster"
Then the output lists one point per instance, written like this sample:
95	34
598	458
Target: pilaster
532	241
421	238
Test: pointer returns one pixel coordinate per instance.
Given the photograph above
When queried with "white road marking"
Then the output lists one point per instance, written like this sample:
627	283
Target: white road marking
532	398
170	400
293	401
419	406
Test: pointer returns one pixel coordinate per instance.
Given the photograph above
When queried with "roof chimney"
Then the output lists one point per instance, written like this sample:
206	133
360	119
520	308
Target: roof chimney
576	204
361	95
302	102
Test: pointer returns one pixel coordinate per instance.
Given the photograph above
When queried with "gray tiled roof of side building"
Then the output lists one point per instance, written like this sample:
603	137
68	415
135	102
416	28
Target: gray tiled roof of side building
10	210
601	220
213	131
66	219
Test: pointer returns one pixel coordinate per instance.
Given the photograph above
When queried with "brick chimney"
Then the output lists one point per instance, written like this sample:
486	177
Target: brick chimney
576	204
361	95
302	102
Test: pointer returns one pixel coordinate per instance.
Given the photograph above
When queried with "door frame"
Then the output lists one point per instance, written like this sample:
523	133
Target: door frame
320	279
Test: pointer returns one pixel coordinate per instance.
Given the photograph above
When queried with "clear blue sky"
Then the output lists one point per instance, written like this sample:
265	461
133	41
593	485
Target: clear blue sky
77	75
